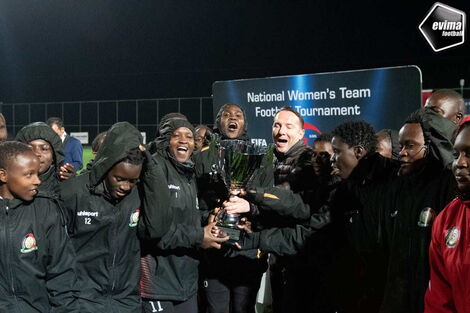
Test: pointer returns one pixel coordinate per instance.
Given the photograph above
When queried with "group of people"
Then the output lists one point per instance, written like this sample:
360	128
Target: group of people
362	221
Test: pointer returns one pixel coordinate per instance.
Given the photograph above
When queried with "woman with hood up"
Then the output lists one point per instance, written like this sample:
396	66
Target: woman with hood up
169	264
48	148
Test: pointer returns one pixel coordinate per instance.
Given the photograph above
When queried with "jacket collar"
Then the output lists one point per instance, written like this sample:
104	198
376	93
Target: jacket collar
296	148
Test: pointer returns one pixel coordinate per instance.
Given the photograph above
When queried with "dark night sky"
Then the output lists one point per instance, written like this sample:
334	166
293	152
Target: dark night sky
85	50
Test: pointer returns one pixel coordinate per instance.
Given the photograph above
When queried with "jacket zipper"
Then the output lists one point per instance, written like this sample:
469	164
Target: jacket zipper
113	270
7	236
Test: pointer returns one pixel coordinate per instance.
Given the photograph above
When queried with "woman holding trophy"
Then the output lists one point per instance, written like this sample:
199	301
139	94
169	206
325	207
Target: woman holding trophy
169	264
224	287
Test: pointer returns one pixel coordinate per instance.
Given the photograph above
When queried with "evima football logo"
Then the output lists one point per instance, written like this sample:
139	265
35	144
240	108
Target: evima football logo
134	219
28	244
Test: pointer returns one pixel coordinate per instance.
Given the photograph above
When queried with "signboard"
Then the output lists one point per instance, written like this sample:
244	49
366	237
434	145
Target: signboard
384	97
82	136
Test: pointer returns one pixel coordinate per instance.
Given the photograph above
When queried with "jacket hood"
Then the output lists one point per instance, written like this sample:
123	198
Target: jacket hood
120	139
438	132
40	130
243	136
167	128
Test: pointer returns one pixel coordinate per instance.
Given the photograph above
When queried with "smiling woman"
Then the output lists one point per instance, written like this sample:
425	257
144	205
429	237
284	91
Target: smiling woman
182	144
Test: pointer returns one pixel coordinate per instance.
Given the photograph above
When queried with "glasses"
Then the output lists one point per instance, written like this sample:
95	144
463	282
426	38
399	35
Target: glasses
412	149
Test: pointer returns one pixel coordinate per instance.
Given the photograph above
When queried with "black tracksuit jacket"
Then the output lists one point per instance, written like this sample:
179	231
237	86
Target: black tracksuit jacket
170	259
104	232
36	277
391	219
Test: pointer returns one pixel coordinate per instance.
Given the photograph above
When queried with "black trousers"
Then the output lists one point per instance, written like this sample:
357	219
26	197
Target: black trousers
155	306
230	295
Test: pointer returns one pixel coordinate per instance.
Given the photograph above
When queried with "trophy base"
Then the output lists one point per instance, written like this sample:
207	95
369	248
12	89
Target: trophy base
235	235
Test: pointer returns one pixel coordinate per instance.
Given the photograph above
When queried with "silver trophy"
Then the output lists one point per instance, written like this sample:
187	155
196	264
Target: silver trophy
239	162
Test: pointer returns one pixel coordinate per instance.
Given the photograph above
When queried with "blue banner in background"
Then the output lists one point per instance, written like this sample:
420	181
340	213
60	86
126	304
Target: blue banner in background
467	105
384	97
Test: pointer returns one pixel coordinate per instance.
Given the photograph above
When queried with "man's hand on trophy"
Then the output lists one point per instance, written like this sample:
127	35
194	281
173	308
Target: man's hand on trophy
236	205
211	240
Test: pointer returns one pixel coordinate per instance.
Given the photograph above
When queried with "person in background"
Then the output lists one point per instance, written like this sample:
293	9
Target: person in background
203	137
449	285
48	148
97	142
447	103
387	143
95	146
73	149
3	129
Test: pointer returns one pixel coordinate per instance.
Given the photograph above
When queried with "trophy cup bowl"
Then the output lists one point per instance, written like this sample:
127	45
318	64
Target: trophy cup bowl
238	163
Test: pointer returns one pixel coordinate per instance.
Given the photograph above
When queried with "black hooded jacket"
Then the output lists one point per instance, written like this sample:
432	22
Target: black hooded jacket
170	255
211	191
50	178
36	258
407	209
104	231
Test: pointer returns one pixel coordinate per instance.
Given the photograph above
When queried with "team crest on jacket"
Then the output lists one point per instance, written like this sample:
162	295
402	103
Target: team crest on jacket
134	219
452	237
28	244
426	217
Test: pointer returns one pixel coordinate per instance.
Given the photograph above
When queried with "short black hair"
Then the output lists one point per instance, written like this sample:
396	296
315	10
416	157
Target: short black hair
55	120
415	118
290	109
357	133
134	156
324	137
98	141
449	93
10	149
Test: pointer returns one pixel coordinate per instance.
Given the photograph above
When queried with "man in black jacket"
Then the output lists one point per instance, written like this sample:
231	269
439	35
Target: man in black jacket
288	217
37	257
103	206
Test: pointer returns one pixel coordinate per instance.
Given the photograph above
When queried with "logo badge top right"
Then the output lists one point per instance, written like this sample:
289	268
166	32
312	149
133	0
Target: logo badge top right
443	27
